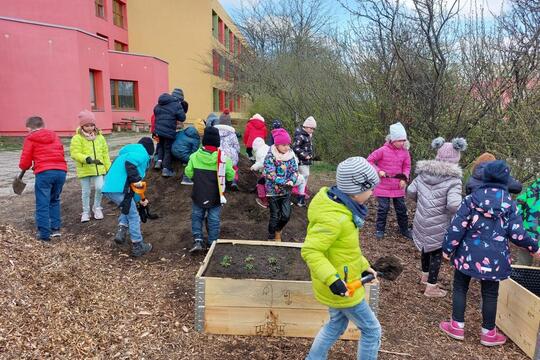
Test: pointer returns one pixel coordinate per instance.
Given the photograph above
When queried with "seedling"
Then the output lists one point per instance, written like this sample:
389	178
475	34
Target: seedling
226	261
272	261
249	266
249	259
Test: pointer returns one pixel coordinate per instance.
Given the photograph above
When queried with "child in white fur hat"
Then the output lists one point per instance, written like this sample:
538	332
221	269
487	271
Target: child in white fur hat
303	148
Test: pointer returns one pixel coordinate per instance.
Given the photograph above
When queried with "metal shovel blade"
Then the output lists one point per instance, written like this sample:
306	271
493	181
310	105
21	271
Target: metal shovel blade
18	184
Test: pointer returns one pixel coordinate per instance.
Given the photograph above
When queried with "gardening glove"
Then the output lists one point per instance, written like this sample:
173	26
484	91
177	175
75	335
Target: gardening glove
144	202
338	287
89	160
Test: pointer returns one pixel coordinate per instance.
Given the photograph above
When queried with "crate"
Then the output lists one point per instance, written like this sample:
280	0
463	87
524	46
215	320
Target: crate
518	309
262	307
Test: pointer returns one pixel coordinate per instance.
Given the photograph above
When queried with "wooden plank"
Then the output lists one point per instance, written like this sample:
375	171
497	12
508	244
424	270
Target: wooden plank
518	315
269	322
206	260
260	242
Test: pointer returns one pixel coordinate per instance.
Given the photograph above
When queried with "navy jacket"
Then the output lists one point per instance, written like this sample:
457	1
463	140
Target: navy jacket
303	147
186	143
167	112
478	235
475	181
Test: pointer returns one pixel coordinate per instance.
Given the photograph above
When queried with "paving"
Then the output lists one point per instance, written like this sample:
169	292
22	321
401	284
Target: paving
9	162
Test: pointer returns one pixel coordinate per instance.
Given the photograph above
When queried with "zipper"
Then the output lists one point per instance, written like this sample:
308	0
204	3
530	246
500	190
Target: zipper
94	147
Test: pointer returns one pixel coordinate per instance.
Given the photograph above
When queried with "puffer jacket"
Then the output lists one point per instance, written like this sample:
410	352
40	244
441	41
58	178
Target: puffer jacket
278	172
254	128
212	120
476	180
529	208
167	112
331	244
303	146
43	150
129	166
477	238
437	192
186	143
392	161
229	142
82	148
260	150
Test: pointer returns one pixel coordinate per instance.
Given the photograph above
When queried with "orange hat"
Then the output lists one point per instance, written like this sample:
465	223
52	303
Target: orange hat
485	157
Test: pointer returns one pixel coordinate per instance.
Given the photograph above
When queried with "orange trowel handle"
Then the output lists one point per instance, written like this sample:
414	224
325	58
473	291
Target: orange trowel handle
139	190
353	286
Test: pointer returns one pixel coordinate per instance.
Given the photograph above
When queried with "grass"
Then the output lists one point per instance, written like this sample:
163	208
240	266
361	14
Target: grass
10	143
322	167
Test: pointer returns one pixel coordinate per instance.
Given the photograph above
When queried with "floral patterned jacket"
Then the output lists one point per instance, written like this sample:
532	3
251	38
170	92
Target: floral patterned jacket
280	171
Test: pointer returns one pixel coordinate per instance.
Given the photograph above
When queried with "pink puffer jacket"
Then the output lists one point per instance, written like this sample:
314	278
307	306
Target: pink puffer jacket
392	161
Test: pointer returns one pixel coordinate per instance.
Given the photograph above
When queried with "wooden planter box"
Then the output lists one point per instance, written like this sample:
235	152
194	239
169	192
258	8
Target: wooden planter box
518	309
262	307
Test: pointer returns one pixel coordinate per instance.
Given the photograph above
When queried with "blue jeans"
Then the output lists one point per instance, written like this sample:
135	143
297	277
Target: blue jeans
131	220
197	217
86	183
47	189
362	316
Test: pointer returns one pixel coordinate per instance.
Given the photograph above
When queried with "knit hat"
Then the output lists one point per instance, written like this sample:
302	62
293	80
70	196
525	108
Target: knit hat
277	124
257	117
497	172
310	123
485	157
211	137
397	132
148	145
449	152
225	119
86	117
226	111
199	125
355	176
212	119
281	137
178	93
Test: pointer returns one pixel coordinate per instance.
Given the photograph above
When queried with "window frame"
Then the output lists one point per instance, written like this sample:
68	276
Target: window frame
100	4
115	95
118	15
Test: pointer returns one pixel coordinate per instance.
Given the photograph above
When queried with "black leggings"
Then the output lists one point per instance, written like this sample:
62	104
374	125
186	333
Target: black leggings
401	213
431	263
280	212
164	153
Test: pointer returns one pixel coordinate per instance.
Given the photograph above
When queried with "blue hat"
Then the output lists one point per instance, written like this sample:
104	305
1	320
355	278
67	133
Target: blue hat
277	124
497	172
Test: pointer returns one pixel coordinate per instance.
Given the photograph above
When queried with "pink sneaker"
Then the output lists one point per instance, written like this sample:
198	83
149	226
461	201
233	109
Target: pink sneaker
492	338
452	329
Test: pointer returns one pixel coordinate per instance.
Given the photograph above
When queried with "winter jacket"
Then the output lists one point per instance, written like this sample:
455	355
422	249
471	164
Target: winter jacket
278	172
475	181
303	147
186	143
331	244
81	148
478	236
229	142
260	150
254	128
42	150
528	205
437	192
392	161
168	111
129	166
202	169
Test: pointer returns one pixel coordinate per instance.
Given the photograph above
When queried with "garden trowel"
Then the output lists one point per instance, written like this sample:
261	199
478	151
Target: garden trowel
18	184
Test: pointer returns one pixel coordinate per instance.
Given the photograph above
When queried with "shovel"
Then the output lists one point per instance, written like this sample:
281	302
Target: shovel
18	184
387	267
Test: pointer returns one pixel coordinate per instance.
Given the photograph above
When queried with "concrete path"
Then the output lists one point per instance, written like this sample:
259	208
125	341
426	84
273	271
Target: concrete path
9	162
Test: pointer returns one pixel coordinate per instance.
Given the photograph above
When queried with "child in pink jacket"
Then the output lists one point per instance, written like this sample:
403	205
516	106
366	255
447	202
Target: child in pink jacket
393	163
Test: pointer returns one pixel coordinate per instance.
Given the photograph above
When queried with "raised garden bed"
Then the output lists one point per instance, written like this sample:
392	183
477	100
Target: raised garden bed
518	309
260	288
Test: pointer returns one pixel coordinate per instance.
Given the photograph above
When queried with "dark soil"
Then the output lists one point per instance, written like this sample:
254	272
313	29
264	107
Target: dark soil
240	261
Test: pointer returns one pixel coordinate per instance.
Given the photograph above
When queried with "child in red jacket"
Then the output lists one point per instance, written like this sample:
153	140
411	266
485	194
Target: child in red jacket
43	151
255	128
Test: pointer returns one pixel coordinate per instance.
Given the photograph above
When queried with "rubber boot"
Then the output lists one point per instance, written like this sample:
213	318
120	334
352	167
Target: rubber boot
121	233
140	248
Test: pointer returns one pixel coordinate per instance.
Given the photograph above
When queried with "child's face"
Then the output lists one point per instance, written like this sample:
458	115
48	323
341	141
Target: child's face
283	148
399	144
89	127
309	130
363	197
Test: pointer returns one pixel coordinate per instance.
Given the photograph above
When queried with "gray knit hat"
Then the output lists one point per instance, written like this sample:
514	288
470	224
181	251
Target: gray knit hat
355	176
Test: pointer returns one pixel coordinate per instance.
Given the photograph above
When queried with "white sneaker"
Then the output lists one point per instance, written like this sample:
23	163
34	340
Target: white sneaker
85	217
98	213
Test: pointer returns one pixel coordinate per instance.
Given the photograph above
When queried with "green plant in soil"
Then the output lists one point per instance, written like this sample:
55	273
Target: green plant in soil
249	259
226	261
273	262
249	266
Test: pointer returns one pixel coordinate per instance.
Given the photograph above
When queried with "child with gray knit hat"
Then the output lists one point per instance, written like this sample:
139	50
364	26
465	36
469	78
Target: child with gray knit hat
335	217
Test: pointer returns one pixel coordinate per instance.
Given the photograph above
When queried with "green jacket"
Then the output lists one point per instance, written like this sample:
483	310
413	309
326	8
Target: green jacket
81	148
528	204
331	243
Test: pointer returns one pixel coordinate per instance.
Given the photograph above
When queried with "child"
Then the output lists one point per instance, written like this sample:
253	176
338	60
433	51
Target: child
477	241
475	180
129	168
528	205
303	146
209	168
281	173
186	143
335	217
276	124
90	152
167	112
255	128
437	192
211	120
260	150
231	148
225	118
44	153
393	164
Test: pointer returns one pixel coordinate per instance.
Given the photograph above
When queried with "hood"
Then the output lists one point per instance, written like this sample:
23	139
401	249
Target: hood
132	148
300	131
492	201
258	143
43	136
478	172
178	93
432	171
225	130
78	131
212	119
258	124
165	99
406	146
191	132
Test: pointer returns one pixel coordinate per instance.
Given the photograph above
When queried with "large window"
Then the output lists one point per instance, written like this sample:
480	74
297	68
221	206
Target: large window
123	95
93	96
96	89
215	24
215	99
118	12
100	8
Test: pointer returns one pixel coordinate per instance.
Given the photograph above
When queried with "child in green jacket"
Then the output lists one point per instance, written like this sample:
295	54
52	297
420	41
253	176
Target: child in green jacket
335	217
90	152
528	204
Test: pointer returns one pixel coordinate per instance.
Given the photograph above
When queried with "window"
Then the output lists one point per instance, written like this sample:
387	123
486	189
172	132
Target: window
221	66
93	96
227	37
214	24
231	43
96	89
119	46
100	9
118	12
221	100
215	99
123	95
215	62
221	31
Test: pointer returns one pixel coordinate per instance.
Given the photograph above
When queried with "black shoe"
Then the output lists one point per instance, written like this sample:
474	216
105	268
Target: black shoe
140	248
120	237
301	201
407	233
234	186
197	246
